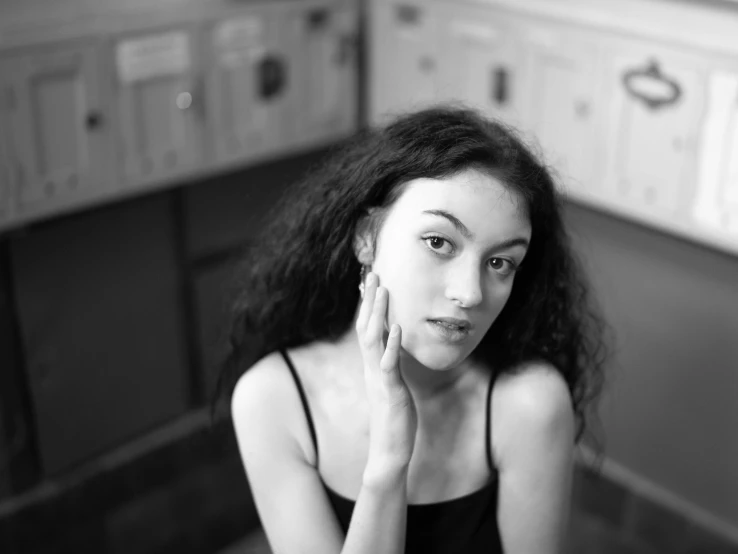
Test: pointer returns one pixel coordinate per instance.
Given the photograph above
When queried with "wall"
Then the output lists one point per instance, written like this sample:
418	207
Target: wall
129	458
669	413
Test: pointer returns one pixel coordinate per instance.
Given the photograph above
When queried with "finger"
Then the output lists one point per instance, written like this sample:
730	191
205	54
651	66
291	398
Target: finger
390	363
367	303
375	327
391	357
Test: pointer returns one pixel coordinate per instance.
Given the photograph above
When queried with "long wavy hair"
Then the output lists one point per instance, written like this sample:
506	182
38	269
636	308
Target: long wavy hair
300	281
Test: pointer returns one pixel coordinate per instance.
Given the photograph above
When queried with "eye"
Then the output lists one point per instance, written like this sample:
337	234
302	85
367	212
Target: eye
438	245
502	266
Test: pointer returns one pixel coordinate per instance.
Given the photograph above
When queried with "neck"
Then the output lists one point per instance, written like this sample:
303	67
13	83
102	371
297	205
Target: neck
427	384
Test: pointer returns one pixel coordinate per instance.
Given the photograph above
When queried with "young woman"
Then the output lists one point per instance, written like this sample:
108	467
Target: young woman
420	349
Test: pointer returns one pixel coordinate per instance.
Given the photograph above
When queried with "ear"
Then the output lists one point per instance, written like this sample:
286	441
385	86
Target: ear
364	240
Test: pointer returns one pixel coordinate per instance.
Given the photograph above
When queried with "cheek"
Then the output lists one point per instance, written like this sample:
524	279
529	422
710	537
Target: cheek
396	264
408	284
405	296
498	296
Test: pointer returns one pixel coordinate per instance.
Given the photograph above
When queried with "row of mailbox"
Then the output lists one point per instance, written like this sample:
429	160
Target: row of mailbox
634	126
95	119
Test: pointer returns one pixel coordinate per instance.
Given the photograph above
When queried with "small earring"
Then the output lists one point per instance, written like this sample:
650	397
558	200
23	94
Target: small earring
362	275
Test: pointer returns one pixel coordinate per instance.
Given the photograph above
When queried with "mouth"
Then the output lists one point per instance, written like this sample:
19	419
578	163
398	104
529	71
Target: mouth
451	329
453	324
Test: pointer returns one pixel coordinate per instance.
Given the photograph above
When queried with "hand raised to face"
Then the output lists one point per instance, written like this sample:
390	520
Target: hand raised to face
393	418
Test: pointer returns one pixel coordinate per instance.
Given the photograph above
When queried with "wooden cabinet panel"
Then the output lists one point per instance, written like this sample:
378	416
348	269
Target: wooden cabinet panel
655	101
57	125
404	58
100	320
18	469
561	108
6	166
481	64
251	85
229	211
214	291
87	121
326	37
716	202
159	105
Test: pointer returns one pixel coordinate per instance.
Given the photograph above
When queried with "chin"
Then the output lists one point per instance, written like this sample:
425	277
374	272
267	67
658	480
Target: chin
438	357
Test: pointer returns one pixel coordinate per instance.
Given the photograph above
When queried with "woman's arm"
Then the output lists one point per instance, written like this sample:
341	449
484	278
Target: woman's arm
292	504
379	520
533	439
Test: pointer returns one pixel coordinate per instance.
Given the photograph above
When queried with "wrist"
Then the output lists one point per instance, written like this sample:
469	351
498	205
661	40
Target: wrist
385	475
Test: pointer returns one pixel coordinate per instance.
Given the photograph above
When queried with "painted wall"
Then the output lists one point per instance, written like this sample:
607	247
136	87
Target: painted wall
670	413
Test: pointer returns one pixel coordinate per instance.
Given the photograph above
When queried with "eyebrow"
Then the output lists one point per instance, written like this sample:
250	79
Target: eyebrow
464	230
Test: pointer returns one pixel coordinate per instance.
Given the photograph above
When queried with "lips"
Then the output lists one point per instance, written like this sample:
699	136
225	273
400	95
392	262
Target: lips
453	323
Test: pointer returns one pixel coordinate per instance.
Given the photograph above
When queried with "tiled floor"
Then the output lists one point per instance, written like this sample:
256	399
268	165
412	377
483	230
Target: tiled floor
593	535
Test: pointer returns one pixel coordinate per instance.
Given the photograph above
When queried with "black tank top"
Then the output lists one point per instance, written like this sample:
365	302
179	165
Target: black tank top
463	525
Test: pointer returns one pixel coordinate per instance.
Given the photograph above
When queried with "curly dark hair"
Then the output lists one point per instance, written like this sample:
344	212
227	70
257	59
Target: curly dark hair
300	282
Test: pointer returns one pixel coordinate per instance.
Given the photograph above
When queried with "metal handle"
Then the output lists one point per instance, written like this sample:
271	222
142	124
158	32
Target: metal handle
634	79
427	64
192	98
271	77
501	85
582	109
318	19
184	100
94	120
407	14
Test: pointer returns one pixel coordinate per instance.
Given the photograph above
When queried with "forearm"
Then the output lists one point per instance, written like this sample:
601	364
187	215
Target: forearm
379	519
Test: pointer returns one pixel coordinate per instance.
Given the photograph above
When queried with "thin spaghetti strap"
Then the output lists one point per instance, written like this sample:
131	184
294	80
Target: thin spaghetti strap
488	425
303	398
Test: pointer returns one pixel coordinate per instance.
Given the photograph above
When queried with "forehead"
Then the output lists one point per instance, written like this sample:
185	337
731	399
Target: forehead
479	200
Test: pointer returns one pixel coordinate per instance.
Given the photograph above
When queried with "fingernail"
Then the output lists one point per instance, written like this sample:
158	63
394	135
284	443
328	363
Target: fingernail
395	330
370	278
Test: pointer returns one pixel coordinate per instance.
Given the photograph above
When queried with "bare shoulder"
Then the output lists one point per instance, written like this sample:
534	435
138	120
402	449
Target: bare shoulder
269	379
536	391
274	444
532	406
260	409
259	386
266	403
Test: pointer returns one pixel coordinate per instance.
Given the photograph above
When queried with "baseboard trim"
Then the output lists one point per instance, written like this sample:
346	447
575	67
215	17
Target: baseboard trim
649	490
179	429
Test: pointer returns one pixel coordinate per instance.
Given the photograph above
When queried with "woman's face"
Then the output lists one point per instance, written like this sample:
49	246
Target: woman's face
447	253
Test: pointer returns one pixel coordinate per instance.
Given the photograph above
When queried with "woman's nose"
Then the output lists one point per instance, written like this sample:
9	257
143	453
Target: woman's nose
464	285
